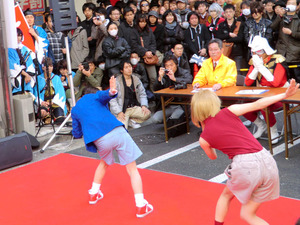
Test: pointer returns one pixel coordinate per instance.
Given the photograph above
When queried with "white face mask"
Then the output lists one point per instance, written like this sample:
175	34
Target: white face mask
291	8
134	61
246	12
113	32
102	18
102	66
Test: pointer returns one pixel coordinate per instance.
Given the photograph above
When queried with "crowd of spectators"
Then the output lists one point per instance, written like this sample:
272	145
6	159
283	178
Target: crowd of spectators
152	45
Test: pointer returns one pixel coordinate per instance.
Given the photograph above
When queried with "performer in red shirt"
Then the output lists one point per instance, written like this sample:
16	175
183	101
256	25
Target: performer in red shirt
253	174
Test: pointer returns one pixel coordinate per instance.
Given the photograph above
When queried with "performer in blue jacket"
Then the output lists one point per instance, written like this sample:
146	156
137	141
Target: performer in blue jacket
103	133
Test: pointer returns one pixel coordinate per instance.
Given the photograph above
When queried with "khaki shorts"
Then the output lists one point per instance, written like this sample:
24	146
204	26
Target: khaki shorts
253	177
120	141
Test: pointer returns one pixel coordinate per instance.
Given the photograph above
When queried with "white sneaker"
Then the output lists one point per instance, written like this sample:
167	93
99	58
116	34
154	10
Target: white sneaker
261	127
274	134
133	124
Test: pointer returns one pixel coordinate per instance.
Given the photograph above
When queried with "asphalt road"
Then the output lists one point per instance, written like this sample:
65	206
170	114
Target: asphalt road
182	155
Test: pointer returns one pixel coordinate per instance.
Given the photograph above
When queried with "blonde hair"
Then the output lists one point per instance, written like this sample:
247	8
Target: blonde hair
204	104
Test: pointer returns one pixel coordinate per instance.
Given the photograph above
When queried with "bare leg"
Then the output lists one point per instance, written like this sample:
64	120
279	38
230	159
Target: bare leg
223	205
100	172
248	213
135	178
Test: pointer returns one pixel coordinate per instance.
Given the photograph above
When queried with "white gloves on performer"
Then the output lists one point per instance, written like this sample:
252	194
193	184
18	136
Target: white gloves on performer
259	67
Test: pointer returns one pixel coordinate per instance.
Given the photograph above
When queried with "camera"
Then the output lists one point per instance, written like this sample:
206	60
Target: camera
166	71
180	86
86	66
98	17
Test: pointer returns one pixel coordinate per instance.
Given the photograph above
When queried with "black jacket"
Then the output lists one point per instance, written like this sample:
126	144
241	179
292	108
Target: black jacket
263	28
140	72
223	34
148	39
172	36
159	37
191	40
182	76
114	51
125	31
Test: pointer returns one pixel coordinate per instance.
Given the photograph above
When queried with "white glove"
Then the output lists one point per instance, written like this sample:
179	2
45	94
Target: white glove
257	61
253	74
259	65
266	73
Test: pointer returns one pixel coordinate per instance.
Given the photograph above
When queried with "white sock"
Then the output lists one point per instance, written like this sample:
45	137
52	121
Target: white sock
139	200
95	188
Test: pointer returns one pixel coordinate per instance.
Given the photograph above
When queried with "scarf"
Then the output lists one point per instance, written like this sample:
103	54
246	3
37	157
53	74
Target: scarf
171	26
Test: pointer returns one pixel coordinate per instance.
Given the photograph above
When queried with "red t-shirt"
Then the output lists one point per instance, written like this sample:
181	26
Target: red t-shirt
227	133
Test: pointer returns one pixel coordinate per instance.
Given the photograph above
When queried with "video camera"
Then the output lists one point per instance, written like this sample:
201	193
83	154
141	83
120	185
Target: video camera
180	86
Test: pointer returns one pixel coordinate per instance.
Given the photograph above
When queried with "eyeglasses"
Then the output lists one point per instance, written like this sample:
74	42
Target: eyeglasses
144	5
260	52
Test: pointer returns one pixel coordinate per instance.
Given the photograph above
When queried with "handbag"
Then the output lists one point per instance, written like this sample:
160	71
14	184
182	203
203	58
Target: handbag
153	60
227	46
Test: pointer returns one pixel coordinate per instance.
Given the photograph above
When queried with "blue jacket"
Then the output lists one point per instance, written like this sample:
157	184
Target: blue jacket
92	119
16	69
60	94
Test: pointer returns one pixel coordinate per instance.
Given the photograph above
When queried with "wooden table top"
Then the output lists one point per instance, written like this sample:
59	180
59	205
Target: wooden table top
230	93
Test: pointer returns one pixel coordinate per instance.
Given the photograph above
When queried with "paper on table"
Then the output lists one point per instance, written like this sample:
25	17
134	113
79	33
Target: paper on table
198	89
251	92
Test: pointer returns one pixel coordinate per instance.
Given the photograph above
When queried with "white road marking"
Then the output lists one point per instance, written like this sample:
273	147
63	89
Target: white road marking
168	155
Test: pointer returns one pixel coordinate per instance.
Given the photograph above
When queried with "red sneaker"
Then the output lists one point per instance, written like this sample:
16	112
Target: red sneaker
144	211
94	198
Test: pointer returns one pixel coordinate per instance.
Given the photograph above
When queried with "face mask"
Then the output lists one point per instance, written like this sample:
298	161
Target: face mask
113	32
291	8
102	66
134	61
102	18
246	12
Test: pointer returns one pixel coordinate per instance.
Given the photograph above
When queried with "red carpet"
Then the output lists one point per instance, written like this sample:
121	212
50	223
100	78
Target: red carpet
54	191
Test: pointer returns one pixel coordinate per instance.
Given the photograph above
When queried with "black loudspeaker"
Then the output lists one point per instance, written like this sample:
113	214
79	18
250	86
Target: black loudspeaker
64	14
15	150
33	141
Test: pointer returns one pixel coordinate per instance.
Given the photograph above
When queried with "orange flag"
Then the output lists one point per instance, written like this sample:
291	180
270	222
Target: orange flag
23	25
